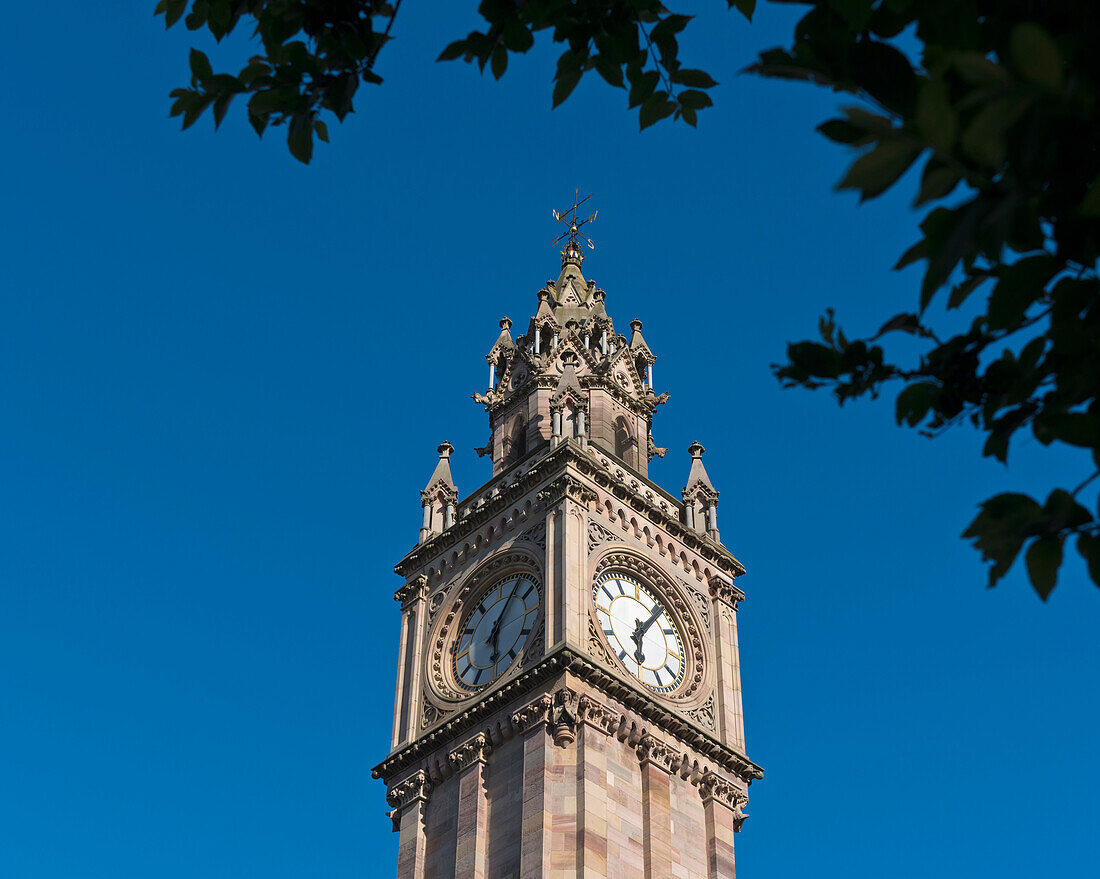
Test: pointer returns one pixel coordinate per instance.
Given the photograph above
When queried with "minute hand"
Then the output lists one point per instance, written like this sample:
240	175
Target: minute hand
640	629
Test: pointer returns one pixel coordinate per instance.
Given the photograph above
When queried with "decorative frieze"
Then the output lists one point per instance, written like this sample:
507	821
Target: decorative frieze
563	487
652	750
535	535
704	714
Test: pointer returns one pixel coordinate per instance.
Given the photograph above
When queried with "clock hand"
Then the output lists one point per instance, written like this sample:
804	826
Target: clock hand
494	633
640	629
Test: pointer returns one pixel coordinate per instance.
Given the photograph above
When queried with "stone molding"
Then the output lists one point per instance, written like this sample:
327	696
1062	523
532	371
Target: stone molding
582	709
561	714
566	486
659	507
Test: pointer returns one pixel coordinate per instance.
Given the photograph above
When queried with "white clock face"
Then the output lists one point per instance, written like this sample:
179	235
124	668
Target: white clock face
494	632
640	631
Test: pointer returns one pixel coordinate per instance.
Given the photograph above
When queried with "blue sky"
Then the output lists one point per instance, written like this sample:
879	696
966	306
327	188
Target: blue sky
224	376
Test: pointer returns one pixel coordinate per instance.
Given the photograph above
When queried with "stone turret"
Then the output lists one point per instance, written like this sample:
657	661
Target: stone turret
700	497
439	496
570	343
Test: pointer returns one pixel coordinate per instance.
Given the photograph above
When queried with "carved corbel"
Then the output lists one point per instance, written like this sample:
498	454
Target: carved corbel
597	715
475	750
652	750
727	593
416	588
563	718
532	714
713	787
416	788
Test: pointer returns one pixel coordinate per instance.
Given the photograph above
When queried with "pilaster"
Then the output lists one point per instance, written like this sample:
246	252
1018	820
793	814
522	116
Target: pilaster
409	800
471	849
657	760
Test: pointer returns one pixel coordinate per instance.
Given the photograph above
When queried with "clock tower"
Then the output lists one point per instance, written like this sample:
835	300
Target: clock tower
568	693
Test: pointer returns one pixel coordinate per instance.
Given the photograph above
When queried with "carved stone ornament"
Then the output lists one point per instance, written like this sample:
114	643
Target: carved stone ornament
475	750
563	718
436	602
598	715
417	787
566	487
416	588
442	638
670	593
653	751
597	645
535	535
431	714
532	714
713	787
704	714
597	535
725	592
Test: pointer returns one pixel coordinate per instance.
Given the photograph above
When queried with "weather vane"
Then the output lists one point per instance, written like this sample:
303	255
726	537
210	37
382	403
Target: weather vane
574	227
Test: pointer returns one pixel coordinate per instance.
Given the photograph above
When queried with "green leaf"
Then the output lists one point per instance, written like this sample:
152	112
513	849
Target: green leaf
876	171
842	131
200	66
299	137
454	50
745	7
976	69
935	117
1020	285
1074	428
642	87
984	138
1044	557
611	72
221	106
1036	55
658	107
856	13
566	82
172	10
696	79
1088	545
914	402
694	99
937	181
321	128
1000	529
816	359
499	62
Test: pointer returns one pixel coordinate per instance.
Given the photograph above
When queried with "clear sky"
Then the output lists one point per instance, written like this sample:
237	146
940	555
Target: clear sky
223	377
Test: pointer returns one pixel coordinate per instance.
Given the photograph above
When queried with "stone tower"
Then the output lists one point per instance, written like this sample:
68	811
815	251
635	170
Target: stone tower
568	693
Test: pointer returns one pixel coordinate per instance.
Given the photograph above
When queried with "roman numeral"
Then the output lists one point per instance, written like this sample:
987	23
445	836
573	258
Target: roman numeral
622	655
622	591
526	631
670	671
477	678
668	631
657	675
607	592
609	631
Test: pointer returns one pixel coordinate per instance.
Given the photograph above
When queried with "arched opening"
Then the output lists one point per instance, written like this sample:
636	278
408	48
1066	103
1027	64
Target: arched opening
515	442
626	445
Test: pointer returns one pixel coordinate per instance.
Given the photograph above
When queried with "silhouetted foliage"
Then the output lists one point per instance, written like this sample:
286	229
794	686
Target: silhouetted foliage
997	98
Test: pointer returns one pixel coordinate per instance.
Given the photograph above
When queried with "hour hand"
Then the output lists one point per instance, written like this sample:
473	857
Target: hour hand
636	637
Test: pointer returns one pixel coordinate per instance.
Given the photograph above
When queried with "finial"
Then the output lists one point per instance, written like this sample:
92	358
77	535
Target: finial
505	323
696	450
635	325
571	252
445	449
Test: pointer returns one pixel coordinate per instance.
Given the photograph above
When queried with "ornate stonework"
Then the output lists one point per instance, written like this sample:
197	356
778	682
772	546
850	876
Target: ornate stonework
524	743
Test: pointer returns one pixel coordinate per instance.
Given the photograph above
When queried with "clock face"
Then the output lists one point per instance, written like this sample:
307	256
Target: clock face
640	631
494	632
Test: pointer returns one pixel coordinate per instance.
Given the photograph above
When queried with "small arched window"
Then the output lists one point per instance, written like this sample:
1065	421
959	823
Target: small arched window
626	445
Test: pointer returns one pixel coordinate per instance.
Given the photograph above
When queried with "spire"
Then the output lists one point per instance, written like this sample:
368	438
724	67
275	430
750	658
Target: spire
697	476
700	498
637	343
441	476
504	340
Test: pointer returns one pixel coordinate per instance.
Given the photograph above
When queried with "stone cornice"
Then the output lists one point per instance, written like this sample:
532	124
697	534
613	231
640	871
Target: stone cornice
725	592
662	509
561	715
474	750
412	591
